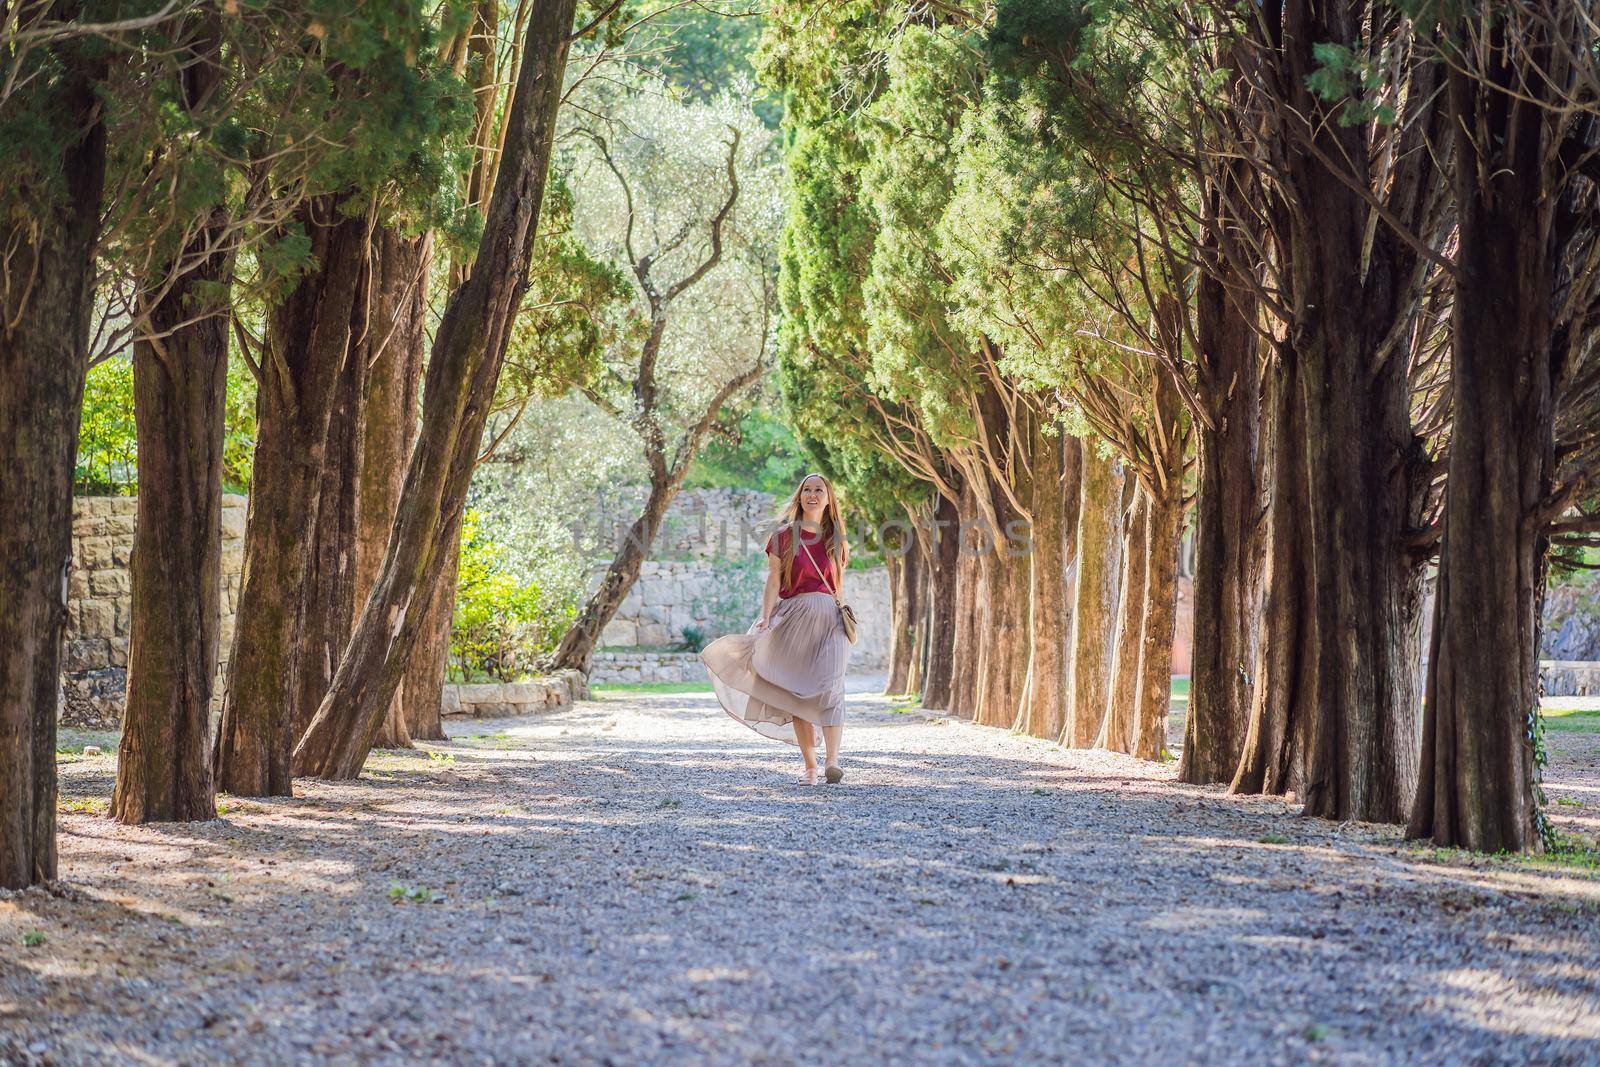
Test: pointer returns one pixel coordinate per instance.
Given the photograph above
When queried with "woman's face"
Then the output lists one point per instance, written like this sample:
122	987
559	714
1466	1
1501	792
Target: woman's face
813	497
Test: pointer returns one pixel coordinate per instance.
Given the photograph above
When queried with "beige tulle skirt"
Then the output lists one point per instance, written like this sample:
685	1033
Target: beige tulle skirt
793	669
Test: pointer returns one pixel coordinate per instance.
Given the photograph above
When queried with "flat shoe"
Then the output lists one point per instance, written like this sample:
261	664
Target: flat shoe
833	774
808	776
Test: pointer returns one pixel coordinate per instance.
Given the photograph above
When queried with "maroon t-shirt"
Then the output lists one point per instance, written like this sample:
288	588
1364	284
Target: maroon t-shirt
805	577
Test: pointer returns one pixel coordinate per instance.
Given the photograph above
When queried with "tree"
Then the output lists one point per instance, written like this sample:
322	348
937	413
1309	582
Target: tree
52	173
698	197
463	371
1522	120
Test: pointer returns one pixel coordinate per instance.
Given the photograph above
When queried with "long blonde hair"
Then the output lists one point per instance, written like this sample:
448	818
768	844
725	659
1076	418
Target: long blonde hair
833	538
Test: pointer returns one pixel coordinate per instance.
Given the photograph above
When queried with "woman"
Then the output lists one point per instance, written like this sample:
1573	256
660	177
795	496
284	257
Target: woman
784	677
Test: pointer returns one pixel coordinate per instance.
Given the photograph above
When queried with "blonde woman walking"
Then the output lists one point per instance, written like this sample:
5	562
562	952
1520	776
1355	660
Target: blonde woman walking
784	677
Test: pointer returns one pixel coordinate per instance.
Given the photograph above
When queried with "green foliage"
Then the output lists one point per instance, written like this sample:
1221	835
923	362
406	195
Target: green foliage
694	639
766	456
501	625
31	939
407	894
108	444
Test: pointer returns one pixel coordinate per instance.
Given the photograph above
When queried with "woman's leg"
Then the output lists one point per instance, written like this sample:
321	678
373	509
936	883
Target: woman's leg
830	744
807	737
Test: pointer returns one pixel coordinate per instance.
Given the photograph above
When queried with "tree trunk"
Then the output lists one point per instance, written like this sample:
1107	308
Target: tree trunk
179	392
1045	711
1120	724
1163	538
44	340
1228	542
1354	292
328	593
1285	683
180	377
1477	784
307	341
577	646
943	563
398	341
899	621
1094	605
463	371
425	677
917	613
971	598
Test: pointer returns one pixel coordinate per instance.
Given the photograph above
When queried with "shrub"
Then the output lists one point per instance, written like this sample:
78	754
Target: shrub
501	625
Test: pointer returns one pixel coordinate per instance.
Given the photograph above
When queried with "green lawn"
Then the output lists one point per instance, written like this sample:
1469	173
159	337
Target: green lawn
651	687
1572	720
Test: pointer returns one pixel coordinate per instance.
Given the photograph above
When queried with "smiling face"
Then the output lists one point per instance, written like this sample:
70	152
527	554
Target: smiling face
813	498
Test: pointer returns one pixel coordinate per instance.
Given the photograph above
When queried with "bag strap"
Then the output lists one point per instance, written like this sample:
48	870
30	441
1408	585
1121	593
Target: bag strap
820	571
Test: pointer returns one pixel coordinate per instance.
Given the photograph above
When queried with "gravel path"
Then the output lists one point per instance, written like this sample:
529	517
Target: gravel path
640	880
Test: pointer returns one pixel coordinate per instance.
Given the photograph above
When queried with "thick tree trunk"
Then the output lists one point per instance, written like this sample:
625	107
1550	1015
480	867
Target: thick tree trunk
179	389
971	599
917	613
1094	605
943	564
1163	537
1285	672
1229	552
44	340
577	646
397	342
1354	292
423	690
369	439
1477	787
1120	725
899	620
307	341
328	593
463	371
1045	711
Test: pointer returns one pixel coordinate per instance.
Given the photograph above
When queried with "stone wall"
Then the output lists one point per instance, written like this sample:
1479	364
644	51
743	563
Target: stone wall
500	700
94	666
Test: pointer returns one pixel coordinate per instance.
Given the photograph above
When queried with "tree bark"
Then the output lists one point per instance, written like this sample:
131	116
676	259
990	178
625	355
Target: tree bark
971	598
943	563
468	351
577	646
179	392
1045	710
1120	725
1354	289
1477	787
1228	542
307	341
1162	542
1094	606
899	621
180	376
425	676
1285	673
917	613
44	340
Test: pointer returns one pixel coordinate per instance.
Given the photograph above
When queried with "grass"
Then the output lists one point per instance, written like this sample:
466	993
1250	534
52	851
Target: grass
1571	853
1571	720
651	687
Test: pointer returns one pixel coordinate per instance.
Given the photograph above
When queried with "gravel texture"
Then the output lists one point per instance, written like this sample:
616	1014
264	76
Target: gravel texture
641	880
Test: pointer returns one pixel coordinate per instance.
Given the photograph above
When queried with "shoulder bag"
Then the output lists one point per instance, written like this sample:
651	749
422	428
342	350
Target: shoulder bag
847	614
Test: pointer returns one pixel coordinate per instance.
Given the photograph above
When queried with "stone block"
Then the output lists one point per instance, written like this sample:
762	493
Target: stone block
122	553
123	505
233	523
95	553
110	583
97	618
450	701
620	632
77	583
86	654
124	614
119	526
119	651
84	525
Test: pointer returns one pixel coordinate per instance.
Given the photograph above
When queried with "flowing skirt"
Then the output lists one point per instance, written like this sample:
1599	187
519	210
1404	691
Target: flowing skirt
793	669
